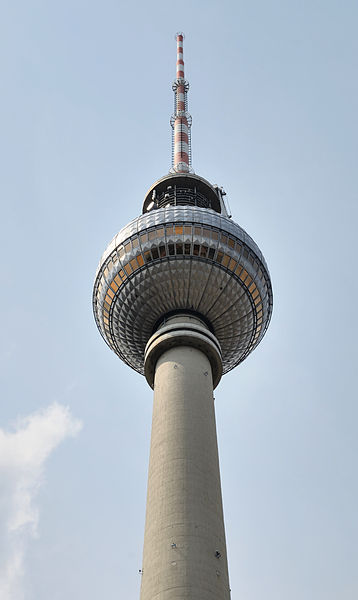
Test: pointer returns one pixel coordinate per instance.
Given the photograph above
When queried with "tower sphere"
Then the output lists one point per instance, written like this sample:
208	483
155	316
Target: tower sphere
183	254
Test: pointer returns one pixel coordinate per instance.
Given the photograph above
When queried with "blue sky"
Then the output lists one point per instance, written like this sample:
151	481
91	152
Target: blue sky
85	107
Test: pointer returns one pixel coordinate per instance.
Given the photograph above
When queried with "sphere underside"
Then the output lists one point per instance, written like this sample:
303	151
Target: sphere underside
182	258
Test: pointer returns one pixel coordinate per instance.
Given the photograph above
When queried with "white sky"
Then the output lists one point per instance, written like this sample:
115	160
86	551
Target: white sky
85	106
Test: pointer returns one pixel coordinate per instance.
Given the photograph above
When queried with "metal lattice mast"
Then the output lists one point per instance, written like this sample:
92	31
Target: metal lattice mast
181	119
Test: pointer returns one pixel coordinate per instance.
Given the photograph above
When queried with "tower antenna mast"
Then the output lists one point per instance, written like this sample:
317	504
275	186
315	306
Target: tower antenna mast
181	119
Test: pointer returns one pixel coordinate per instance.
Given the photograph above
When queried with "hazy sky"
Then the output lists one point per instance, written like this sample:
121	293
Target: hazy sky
85	107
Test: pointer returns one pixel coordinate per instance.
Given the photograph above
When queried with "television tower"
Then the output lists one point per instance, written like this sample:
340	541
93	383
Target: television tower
182	295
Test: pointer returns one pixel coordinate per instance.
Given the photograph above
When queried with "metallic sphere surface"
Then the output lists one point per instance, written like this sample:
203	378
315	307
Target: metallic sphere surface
182	258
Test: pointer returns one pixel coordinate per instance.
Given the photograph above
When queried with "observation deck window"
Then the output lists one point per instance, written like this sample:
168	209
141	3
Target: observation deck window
226	260
252	287
134	264
232	264
181	196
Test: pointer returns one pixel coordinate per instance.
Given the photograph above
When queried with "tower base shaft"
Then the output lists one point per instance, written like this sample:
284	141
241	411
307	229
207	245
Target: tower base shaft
184	547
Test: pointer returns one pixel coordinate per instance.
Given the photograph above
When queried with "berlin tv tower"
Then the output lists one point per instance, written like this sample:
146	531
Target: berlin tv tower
182	295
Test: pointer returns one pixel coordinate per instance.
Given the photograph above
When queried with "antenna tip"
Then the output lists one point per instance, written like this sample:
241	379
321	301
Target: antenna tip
179	33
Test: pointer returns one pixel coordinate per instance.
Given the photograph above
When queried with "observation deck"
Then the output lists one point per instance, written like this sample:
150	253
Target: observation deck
183	189
182	255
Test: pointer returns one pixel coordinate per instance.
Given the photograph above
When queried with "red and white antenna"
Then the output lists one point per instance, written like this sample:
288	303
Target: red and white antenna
181	119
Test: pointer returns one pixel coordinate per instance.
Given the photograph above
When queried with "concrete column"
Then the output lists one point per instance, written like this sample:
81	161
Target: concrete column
184	554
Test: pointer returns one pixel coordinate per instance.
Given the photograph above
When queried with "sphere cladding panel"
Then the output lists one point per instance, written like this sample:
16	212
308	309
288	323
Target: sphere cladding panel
182	258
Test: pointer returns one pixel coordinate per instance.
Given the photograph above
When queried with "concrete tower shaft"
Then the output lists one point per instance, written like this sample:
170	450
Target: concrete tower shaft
184	545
